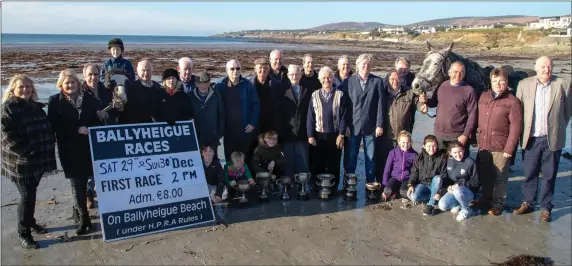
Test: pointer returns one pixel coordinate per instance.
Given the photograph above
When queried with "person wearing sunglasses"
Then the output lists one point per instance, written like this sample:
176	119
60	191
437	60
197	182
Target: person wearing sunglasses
242	110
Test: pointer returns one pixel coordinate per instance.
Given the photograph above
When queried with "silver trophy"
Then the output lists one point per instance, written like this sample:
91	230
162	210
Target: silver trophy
285	181
242	186
374	188
302	179
263	178
325	181
350	181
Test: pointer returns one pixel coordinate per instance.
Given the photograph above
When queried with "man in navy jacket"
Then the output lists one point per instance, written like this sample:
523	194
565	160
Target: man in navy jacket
365	117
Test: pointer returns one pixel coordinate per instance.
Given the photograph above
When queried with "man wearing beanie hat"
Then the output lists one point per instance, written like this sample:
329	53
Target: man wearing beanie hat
208	109
173	104
116	48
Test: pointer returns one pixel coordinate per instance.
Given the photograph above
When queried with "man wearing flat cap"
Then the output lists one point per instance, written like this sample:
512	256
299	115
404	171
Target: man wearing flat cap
208	108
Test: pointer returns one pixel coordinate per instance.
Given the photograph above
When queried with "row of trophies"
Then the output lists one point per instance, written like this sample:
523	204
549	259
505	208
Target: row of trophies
325	182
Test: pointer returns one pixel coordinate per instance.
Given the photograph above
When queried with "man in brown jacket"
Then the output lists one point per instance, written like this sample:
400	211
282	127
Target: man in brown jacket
499	128
547	102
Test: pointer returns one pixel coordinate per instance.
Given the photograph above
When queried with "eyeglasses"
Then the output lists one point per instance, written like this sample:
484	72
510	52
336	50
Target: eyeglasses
234	68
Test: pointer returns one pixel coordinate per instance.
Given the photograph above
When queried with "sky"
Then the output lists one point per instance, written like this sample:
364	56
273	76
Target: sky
208	18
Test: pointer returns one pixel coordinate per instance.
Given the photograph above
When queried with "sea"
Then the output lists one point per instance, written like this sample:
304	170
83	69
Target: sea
39	39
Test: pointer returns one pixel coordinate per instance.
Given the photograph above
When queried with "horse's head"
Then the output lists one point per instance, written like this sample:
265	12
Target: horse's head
434	70
115	80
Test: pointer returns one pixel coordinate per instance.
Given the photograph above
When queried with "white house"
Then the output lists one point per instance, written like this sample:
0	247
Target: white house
560	22
429	30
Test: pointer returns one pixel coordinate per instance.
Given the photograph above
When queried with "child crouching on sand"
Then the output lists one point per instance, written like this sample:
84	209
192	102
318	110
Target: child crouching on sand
398	168
214	174
236	170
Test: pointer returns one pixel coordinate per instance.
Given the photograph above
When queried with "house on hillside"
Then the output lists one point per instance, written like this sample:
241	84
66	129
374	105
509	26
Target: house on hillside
393	30
569	31
559	22
429	30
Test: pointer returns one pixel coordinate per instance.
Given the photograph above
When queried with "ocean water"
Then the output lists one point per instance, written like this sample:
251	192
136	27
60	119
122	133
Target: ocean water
39	39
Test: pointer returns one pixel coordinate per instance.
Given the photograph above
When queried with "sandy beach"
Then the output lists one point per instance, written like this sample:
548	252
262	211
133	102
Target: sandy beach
293	232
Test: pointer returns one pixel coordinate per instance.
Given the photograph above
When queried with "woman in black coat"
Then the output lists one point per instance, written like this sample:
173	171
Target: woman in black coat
173	104
71	112
28	150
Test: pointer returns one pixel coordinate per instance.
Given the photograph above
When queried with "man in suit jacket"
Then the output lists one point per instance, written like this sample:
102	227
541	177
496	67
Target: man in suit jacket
365	115
547	103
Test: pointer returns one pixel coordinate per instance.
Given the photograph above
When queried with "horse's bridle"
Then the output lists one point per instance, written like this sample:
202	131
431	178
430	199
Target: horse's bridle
432	83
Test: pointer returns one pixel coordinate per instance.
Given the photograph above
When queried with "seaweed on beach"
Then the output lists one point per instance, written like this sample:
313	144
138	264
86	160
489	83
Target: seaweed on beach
527	260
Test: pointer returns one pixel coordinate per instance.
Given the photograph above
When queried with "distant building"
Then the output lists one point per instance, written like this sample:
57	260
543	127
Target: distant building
429	30
560	22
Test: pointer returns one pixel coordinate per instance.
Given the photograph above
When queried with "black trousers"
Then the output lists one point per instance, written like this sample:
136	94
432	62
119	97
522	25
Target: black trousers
79	191
538	157
396	187
326	156
27	204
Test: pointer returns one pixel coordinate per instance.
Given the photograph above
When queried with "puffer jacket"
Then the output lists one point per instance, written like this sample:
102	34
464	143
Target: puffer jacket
263	155
398	164
500	122
426	167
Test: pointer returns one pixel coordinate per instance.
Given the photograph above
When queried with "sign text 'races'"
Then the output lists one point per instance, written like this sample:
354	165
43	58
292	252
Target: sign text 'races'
154	134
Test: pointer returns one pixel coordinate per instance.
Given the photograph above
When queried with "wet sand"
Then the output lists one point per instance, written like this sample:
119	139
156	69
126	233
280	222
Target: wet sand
312	232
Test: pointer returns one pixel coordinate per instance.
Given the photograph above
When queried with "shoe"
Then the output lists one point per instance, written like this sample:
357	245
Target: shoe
524	209
38	229
456	210
28	242
463	215
90	203
545	216
496	211
428	211
84	225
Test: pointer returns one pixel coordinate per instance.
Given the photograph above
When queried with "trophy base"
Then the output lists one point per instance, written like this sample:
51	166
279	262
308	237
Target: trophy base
324	197
303	197
351	197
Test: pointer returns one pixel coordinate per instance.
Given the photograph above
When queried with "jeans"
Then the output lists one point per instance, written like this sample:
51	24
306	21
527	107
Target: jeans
461	197
353	151
79	190
423	192
538	156
27	205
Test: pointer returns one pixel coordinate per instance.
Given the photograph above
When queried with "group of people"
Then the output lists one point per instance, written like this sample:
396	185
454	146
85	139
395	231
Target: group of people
294	119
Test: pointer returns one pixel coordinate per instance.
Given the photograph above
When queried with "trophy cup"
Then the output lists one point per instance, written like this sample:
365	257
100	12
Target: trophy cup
302	179
285	181
373	187
242	186
350	181
326	181
263	178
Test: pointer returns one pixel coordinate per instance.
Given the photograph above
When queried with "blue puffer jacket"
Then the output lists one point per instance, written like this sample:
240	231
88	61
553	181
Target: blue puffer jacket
248	99
120	63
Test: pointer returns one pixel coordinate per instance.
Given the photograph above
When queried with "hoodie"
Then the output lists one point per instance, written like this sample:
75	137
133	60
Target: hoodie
426	167
263	155
463	173
398	164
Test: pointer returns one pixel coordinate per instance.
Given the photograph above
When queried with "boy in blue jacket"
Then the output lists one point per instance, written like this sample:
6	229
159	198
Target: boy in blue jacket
116	48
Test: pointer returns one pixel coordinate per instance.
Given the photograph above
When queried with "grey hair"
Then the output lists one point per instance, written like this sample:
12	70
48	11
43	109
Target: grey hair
404	60
88	65
458	63
362	58
343	57
540	60
292	67
274	52
230	61
143	62
323	71
306	56
186	61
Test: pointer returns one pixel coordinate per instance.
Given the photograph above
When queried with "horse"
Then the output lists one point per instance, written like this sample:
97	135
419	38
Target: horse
115	80
436	67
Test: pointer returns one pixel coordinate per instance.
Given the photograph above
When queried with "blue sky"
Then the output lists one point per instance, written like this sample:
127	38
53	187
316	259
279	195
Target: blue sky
202	19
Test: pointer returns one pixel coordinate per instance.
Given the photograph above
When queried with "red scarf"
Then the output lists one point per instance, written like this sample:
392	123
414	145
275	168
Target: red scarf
170	92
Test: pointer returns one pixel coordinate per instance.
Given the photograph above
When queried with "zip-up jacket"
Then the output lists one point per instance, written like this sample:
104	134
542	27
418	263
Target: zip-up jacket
399	164
426	167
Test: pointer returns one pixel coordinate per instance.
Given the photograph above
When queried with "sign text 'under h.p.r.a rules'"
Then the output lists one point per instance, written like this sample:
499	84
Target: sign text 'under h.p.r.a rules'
149	178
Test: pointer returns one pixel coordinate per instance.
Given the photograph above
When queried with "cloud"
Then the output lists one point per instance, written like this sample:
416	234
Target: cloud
109	18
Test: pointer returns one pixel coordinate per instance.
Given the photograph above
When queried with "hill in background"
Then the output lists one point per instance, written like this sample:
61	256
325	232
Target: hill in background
350	25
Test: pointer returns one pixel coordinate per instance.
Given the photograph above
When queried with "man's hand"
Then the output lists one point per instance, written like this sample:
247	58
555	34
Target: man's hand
248	129
312	141
422	98
82	130
506	155
340	142
462	139
378	131
102	115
